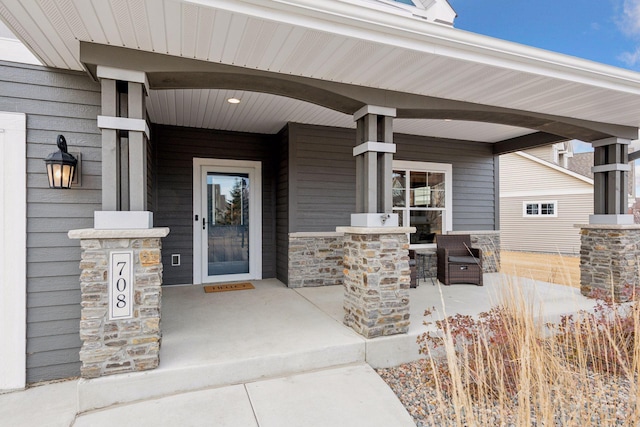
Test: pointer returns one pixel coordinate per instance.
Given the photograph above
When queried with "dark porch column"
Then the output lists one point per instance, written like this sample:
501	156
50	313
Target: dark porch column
610	244
610	182
124	150
374	163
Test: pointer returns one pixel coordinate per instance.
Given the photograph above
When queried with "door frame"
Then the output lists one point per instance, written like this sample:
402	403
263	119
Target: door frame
255	216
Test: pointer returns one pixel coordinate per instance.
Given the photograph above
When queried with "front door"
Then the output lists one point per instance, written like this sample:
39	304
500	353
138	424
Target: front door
229	222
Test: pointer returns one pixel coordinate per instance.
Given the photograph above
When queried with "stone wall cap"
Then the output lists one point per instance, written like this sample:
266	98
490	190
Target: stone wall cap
301	234
476	232
376	230
608	226
139	233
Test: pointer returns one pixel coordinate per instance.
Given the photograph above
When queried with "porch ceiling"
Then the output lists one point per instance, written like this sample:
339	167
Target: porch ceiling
346	42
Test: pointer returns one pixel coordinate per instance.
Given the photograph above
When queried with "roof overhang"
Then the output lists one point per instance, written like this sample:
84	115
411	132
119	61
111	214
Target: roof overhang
350	50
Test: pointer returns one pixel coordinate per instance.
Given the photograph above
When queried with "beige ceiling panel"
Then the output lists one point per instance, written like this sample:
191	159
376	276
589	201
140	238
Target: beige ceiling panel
105	15
32	38
189	30
291	44
204	37
45	34
138	10
234	36
173	27
86	14
221	24
124	22
156	21
280	36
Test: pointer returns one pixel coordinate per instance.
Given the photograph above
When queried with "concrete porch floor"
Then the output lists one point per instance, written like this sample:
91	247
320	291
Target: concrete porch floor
271	348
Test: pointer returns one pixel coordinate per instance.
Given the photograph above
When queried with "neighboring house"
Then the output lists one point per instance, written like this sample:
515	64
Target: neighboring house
539	209
349	111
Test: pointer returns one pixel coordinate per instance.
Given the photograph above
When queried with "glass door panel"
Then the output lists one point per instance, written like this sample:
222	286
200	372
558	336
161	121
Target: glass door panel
227	223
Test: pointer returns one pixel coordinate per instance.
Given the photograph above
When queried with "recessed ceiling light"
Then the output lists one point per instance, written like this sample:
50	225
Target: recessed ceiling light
233	101
447	120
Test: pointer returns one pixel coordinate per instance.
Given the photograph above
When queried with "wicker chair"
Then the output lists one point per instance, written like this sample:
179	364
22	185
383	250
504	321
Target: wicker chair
458	262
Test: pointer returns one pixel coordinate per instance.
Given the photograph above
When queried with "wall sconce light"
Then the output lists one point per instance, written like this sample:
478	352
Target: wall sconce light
61	166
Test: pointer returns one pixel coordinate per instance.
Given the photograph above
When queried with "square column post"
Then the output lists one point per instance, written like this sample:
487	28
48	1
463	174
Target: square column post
610	182
374	167
125	136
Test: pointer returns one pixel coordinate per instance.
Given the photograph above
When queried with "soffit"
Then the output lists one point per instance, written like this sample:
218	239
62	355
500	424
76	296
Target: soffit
337	43
266	113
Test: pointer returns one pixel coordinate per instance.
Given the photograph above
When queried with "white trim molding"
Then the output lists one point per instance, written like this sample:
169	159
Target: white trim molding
378	147
124	123
13	251
373	109
112	73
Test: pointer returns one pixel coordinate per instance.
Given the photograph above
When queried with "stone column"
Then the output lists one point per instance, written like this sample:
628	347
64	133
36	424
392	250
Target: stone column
120	321
609	256
377	279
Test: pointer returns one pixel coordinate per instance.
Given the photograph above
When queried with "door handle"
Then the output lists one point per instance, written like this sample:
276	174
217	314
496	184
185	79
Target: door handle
204	223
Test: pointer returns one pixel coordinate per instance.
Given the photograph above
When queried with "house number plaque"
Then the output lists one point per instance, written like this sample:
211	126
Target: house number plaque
121	285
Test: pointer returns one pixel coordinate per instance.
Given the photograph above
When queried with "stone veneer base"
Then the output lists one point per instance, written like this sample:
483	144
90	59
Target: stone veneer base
377	279
609	256
122	345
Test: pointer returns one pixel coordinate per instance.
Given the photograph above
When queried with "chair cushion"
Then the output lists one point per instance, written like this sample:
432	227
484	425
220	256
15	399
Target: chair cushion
463	260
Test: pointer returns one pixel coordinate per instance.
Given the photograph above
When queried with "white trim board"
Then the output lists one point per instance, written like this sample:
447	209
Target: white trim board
13	250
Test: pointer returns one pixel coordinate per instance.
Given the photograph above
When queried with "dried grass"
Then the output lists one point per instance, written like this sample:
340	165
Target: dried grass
507	368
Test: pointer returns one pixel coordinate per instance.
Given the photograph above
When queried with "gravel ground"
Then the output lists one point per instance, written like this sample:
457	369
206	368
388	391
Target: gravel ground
418	394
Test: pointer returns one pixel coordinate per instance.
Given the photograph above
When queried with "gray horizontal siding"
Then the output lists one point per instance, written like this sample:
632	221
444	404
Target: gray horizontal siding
174	149
321	177
474	176
55	102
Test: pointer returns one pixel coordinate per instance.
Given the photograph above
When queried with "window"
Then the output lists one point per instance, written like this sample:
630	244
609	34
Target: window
538	209
422	198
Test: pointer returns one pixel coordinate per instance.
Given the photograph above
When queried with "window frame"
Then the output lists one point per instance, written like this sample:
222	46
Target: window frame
539	213
409	166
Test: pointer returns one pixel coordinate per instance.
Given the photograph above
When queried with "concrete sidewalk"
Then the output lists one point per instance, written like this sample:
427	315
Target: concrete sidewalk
346	396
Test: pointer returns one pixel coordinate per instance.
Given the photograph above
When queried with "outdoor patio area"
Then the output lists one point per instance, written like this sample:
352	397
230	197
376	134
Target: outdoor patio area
217	339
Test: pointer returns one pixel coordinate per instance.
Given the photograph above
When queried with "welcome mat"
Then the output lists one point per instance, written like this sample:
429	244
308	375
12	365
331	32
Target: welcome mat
228	287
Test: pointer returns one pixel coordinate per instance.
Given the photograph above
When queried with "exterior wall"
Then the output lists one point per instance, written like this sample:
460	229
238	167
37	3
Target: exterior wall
55	102
475	198
316	191
540	234
322	177
174	150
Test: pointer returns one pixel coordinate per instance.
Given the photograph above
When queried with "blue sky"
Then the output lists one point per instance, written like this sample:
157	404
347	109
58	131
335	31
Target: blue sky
606	31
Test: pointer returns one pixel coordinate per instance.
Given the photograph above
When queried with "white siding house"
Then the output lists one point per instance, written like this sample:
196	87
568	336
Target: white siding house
540	202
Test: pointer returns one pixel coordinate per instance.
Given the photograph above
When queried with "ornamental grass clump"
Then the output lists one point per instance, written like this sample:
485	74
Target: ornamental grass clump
506	367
